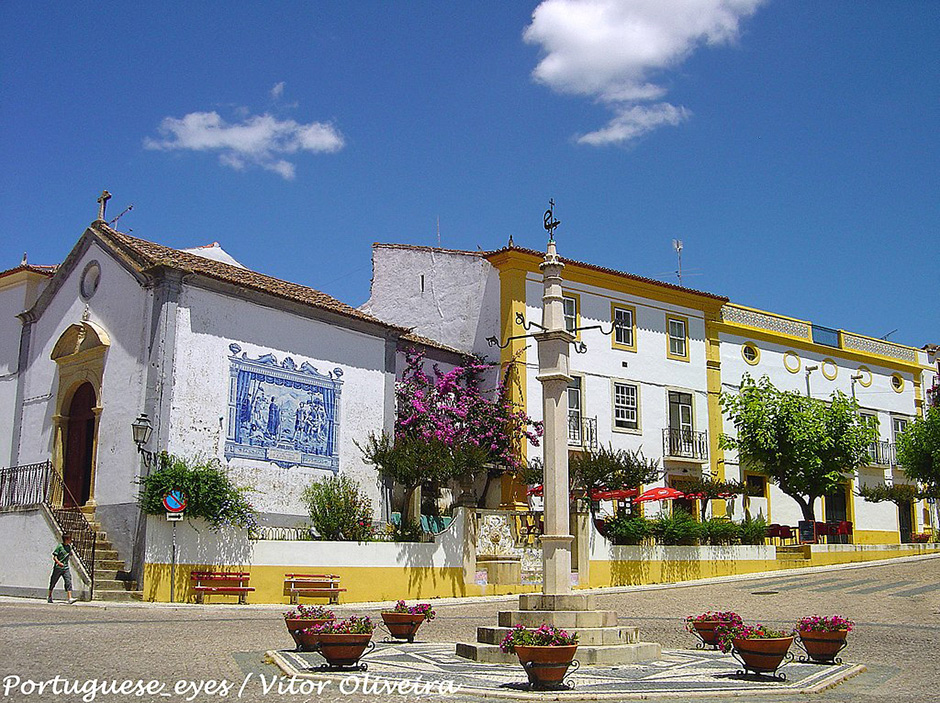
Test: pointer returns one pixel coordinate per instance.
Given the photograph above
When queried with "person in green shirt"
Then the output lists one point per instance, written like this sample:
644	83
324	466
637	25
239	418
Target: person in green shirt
60	567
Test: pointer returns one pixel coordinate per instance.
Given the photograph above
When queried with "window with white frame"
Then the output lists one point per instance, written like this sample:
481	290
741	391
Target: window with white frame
626	406
623	326
571	312
574	411
678	337
898	425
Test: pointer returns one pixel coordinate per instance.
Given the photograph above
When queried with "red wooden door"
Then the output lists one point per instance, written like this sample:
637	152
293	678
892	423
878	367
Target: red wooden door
79	445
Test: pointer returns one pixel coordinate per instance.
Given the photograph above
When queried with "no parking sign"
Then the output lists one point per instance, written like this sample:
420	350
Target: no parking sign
175	504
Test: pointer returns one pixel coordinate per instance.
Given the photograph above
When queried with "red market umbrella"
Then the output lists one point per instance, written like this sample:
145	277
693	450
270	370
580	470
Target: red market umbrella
659	494
616	494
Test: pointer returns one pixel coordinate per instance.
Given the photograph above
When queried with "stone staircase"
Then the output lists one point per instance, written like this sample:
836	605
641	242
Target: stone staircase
793	557
110	581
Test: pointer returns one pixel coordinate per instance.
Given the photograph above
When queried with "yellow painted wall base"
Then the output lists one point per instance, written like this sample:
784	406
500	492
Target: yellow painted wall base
636	573
362	584
876	537
850	556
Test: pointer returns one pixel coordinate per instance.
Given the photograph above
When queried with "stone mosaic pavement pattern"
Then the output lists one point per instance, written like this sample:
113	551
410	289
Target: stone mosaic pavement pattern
677	674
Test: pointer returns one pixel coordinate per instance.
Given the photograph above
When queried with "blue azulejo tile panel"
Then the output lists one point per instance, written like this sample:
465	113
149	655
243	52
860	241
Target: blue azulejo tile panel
282	413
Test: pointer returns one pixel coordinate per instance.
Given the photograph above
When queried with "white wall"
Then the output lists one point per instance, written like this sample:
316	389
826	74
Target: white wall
27	539
207	323
122	308
459	303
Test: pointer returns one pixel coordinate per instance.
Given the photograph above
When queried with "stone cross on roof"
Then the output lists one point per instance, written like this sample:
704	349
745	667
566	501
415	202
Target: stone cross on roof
103	203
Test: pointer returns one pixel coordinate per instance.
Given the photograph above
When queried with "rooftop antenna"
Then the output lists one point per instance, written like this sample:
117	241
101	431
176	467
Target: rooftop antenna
438	231
885	337
123	212
677	245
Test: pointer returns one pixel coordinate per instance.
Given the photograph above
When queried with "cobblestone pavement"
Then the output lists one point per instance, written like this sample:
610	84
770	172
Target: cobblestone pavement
896	607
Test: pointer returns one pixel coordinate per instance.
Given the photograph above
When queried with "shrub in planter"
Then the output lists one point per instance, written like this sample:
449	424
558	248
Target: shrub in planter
339	510
679	528
760	649
545	652
823	637
628	529
343	642
753	530
920	537
305	617
720	531
705	625
403	621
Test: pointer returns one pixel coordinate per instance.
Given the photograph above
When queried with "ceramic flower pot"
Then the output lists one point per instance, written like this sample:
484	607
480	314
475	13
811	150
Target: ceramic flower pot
341	649
546	666
762	655
295	626
403	626
823	646
705	629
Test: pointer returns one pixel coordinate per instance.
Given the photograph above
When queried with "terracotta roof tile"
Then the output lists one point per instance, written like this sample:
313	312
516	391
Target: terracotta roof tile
148	254
34	268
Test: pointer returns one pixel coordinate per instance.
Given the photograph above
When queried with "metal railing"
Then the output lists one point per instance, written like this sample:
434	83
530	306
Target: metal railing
882	454
32	485
582	431
685	444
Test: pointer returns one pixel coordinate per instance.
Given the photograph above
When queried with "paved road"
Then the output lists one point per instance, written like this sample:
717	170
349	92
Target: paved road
896	606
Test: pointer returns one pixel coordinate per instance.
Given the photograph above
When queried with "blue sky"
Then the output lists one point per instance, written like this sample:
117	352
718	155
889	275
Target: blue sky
792	146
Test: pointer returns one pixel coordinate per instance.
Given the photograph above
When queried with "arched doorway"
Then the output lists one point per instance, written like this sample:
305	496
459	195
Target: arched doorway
80	445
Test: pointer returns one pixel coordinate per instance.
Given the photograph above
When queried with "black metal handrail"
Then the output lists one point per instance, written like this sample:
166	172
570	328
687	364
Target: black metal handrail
686	444
882	454
32	485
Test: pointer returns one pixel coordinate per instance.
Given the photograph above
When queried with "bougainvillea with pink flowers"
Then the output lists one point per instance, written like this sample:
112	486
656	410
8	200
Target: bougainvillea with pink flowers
448	426
543	636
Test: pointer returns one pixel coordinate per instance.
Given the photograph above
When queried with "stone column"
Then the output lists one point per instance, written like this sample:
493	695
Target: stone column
553	346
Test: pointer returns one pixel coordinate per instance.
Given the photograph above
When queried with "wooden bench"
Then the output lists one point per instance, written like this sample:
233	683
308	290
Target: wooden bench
323	585
231	583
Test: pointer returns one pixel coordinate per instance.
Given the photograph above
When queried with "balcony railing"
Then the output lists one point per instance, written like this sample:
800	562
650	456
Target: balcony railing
685	444
582	431
882	454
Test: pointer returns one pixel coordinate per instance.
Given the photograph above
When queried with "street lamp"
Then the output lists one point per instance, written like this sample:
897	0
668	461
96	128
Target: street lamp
855	379
809	370
142	429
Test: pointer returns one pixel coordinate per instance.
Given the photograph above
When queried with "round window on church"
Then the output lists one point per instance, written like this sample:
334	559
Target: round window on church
91	277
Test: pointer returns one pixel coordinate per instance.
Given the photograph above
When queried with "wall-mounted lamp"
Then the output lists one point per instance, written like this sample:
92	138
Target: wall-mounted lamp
142	429
809	370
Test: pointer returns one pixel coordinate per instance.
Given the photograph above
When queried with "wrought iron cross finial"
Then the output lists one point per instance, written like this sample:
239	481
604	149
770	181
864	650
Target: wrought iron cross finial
103	203
549	219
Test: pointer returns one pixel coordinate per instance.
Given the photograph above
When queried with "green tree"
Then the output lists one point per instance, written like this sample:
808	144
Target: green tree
918	451
805	446
901	494
712	489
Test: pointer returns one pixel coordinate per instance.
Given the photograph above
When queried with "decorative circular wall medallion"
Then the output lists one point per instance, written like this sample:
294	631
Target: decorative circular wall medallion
829	369
751	353
865	373
791	361
897	382
91	277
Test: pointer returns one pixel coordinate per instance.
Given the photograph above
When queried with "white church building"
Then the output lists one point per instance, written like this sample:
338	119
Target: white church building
275	379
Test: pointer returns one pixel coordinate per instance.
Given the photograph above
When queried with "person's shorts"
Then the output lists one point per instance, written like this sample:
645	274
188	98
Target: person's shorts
62	573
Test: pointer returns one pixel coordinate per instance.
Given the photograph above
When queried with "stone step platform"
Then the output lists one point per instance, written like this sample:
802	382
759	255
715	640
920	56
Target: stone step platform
565	619
587	654
586	635
555	603
117	595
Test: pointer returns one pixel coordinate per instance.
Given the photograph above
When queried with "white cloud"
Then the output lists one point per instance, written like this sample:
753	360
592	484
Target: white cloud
260	140
613	51
278	90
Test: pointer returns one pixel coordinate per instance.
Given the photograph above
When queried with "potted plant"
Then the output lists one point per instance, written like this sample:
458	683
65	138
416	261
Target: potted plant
343	642
545	653
822	638
704	625
759	648
403	622
302	618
